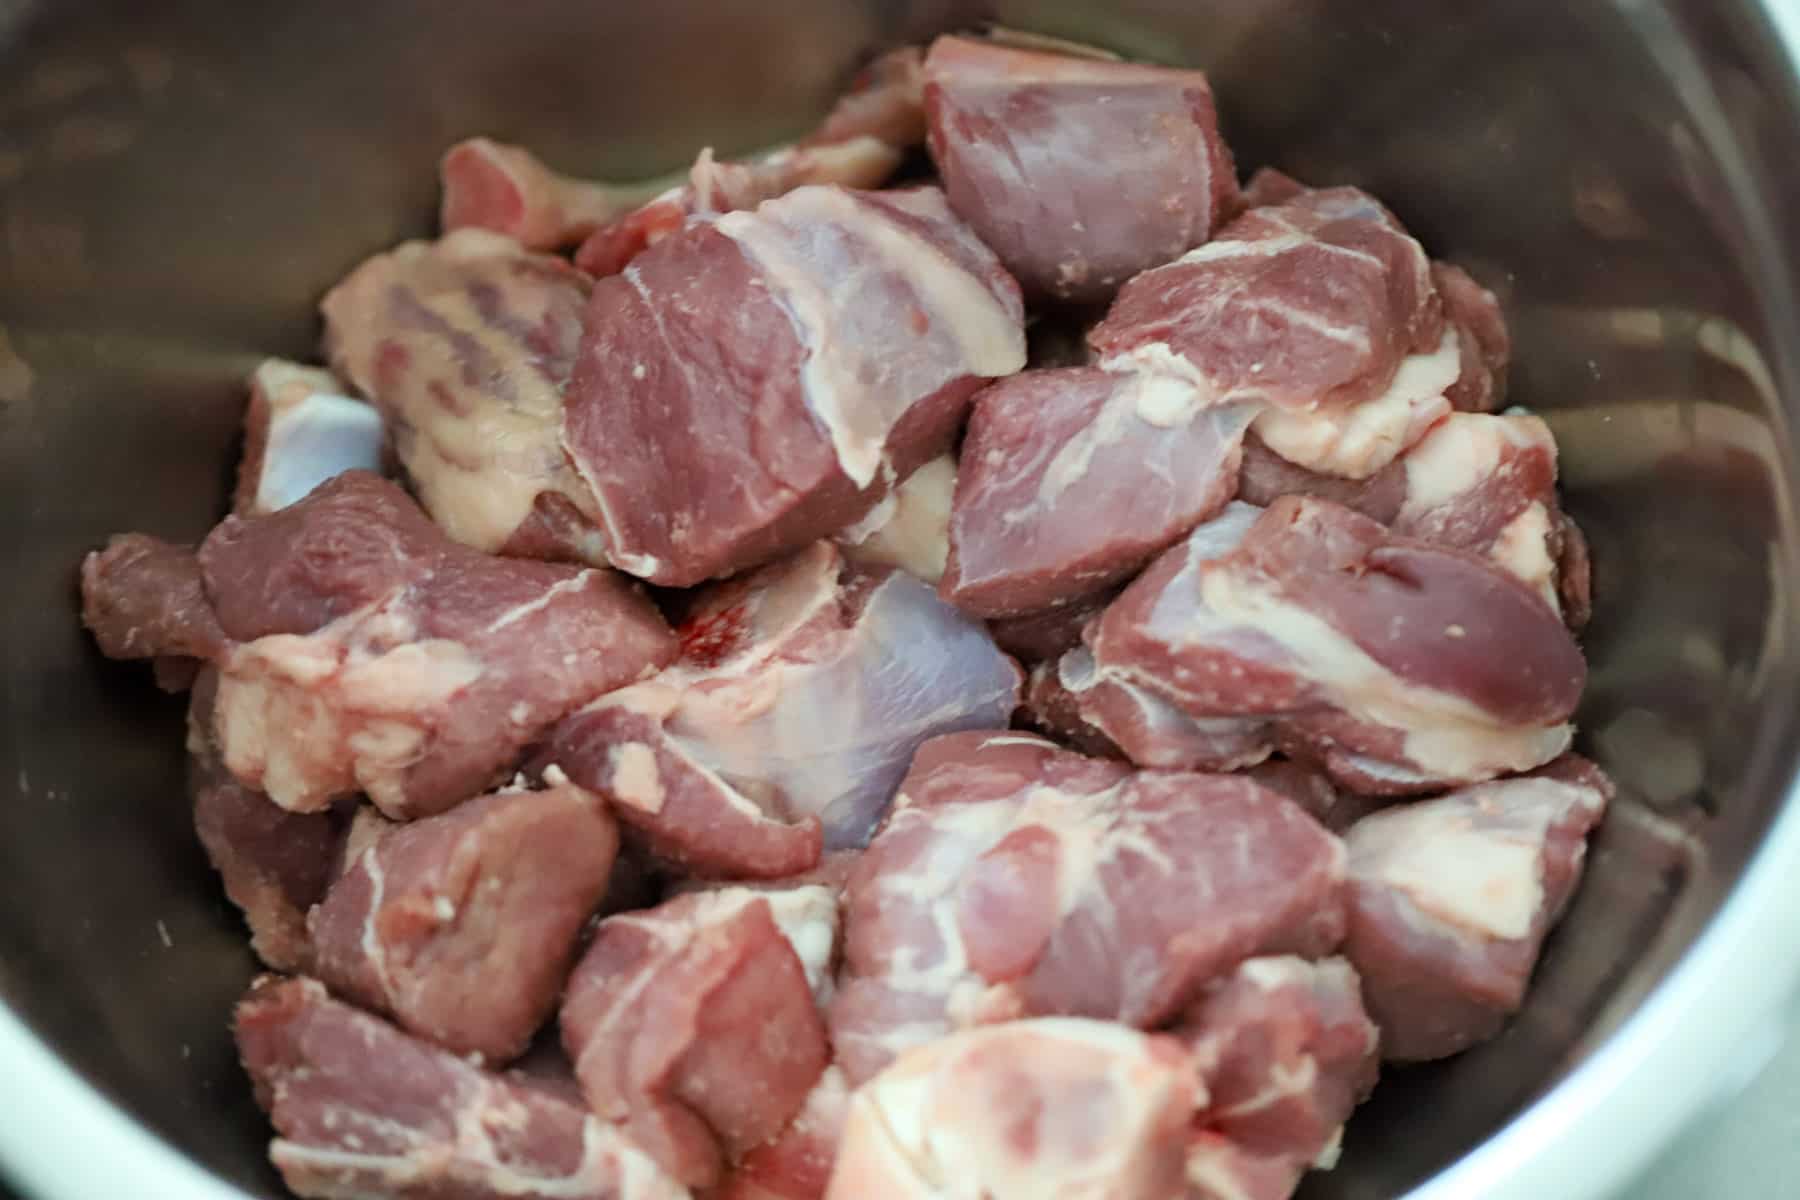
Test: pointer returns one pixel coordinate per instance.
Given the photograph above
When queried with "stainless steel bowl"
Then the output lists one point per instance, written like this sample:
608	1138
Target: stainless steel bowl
180	181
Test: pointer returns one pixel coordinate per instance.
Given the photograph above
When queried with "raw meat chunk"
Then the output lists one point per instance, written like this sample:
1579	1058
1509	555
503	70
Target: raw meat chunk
301	429
1313	790
800	696
693	1027
1079	172
1396	665
1286	1052
142	597
1450	900
911	528
762	380
1051	1109
858	145
434	668
506	189
466	346
1322	310
362	1110
1016	879
1072	479
462	927
274	864
1481	333
797	1164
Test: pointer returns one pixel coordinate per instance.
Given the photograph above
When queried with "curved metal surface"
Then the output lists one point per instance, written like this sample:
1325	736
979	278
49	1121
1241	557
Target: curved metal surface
179	182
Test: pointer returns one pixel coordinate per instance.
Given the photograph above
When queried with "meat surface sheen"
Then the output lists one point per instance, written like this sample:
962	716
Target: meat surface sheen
362	1111
302	427
1048	1109
462	927
1079	172
1397	665
1450	900
784	729
466	345
1072	479
692	1026
761	380
381	657
1016	879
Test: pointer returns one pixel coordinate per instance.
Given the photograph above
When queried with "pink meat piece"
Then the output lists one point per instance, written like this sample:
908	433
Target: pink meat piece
302	427
274	864
1486	346
1450	900
1286	1053
361	1109
1072	479
802	692
1016	879
1321	310
859	144
1049	1109
1080	172
860	322
1035	637
911	528
506	189
1396	665
462	927
466	346
797	1164
1574	576
693	1027
398	663
142	597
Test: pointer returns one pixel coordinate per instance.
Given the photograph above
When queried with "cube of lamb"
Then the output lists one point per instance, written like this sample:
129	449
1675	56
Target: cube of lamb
466	346
693	1027
1017	879
1079	172
376	655
361	1109
462	927
1072	479
1450	900
763	379
1399	666
800	696
1321	310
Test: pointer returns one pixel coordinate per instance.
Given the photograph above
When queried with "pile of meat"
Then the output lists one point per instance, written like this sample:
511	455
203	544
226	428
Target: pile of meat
1040	768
